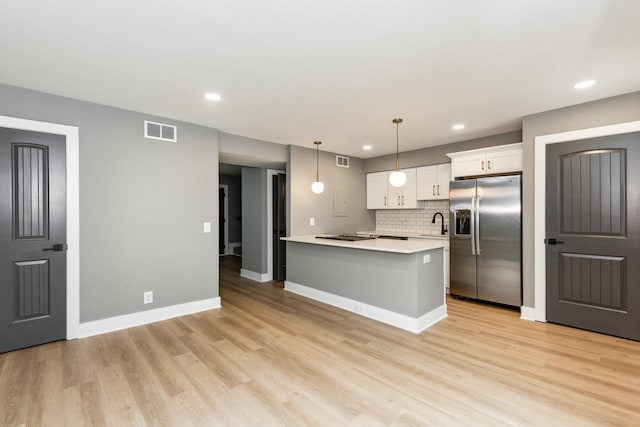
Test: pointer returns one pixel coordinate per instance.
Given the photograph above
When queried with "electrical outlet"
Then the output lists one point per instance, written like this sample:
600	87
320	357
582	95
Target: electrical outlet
148	297
426	259
312	221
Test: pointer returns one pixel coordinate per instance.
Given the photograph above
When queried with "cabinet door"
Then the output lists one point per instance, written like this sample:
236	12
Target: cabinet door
504	161
442	184
409	200
426	182
470	165
377	190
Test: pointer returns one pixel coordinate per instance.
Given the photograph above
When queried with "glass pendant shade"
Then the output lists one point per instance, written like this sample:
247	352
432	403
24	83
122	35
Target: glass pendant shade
397	178
318	187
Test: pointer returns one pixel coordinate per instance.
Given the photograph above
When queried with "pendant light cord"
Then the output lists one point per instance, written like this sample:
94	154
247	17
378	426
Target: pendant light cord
397	155
317	162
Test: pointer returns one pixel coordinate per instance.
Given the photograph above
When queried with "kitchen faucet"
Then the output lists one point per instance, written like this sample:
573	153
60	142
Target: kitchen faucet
443	229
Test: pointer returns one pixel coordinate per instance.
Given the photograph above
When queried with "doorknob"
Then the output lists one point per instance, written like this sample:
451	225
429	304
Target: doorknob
58	247
552	241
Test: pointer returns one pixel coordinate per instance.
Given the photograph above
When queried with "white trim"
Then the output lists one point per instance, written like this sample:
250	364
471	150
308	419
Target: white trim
225	187
73	209
527	313
408	323
252	275
139	318
540	152
270	174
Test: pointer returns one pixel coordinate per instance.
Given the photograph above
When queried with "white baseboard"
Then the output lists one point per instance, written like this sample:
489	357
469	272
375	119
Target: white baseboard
258	277
117	323
528	313
411	324
231	247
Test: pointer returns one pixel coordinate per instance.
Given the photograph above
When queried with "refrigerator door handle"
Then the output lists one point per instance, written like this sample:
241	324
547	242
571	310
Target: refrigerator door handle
473	225
477	231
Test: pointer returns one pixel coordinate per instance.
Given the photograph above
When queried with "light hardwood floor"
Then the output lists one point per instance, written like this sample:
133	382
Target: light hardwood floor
272	358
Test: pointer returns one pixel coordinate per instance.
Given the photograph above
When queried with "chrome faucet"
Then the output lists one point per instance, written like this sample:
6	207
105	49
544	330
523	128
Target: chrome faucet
443	229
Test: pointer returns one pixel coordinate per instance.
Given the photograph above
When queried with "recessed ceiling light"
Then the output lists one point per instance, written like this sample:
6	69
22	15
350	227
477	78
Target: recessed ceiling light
213	97
367	147
458	126
584	84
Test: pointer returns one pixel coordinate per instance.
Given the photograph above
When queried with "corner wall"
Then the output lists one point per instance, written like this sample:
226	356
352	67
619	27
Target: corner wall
304	204
142	205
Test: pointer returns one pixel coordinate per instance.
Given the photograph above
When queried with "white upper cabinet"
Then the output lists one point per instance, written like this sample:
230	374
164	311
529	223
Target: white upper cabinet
432	182
377	197
487	161
382	195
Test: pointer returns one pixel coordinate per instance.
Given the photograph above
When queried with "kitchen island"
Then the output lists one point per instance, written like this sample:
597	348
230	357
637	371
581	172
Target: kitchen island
398	282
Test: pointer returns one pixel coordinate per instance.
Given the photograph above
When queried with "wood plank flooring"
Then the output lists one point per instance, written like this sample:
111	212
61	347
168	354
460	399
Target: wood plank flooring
273	358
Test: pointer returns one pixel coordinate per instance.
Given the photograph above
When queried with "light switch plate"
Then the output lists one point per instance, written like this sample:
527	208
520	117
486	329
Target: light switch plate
206	227
312	221
426	259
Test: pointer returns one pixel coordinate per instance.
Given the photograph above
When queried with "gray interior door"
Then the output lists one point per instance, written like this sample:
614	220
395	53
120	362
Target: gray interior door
279	226
593	234
32	239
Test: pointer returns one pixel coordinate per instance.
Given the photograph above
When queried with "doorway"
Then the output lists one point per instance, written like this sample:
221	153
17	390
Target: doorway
223	223
32	238
593	234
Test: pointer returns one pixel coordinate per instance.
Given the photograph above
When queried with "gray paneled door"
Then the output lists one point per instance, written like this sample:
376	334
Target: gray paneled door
32	239
593	234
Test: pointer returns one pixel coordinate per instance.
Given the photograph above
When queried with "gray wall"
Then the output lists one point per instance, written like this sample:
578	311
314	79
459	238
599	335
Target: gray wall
619	109
254	221
243	151
142	205
437	155
234	200
304	204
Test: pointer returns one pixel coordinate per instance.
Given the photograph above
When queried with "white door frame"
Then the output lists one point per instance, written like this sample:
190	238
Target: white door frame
73	209
225	187
540	153
270	174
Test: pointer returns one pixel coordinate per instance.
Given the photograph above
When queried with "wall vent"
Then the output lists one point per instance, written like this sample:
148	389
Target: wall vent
342	161
160	131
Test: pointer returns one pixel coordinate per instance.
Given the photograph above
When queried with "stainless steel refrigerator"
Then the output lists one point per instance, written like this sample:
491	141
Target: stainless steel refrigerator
486	239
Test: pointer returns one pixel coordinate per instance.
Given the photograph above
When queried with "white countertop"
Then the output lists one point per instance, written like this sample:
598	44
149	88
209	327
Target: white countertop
383	245
403	234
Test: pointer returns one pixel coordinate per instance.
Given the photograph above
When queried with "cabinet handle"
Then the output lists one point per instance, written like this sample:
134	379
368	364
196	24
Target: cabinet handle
402	200
489	164
434	190
385	200
438	189
398	200
482	167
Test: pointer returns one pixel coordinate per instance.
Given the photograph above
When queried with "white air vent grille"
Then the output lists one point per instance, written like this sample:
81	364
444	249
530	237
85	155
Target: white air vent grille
160	131
342	161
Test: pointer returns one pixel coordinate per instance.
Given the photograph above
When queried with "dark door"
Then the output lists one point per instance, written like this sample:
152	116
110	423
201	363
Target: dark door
593	234
222	220
32	239
279	226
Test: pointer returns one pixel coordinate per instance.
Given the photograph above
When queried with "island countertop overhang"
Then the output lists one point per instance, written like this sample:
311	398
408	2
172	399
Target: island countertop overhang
382	245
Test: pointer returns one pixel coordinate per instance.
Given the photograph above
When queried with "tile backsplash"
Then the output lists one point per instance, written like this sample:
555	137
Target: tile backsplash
413	220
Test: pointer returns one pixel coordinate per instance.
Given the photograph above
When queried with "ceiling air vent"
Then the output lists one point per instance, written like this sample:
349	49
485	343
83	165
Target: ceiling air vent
342	161
160	131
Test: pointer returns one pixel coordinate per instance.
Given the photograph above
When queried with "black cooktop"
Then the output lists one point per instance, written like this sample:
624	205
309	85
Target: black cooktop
346	237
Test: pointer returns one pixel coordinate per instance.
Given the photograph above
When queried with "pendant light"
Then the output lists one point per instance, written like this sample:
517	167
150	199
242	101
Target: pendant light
317	186
397	177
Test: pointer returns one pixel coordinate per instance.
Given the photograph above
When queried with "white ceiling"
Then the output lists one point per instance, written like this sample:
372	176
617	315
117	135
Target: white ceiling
295	71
